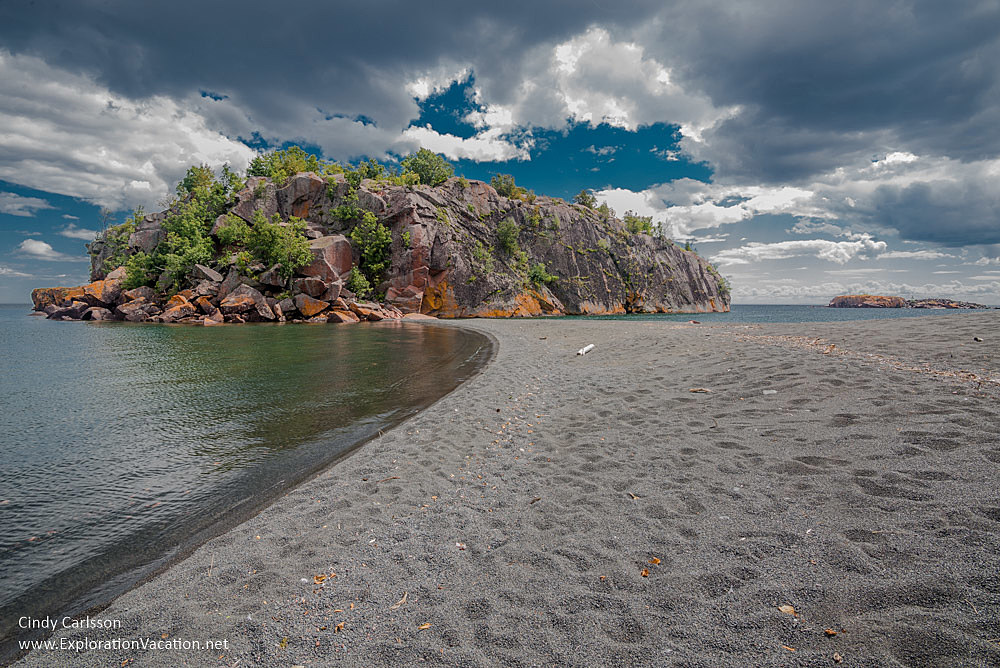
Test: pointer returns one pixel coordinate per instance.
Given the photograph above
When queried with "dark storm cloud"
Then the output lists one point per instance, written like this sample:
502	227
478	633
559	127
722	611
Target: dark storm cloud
343	58
821	81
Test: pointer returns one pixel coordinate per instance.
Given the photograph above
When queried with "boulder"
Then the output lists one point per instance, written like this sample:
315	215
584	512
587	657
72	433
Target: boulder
336	250
215	318
314	287
340	316
205	305
201	272
102	293
178	310
273	277
229	283
303	196
333	291
149	233
117	275
309	306
134	311
287	305
97	313
206	288
74	311
249	301
142	292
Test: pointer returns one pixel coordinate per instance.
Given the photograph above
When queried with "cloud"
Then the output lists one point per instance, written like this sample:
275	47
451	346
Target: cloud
39	250
74	232
66	134
7	271
17	205
70	217
485	146
833	251
914	255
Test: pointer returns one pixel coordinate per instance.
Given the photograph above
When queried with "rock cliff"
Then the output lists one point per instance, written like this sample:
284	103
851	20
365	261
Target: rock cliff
457	250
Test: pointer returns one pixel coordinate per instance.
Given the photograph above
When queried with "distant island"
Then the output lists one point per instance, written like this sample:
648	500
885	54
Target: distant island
302	239
882	301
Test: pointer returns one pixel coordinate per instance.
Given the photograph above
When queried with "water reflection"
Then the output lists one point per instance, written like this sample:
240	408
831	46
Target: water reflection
123	442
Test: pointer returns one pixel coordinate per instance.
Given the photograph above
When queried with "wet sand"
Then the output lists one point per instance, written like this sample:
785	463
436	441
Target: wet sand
814	504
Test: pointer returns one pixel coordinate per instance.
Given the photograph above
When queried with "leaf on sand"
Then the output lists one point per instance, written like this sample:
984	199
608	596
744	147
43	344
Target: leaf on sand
790	649
634	496
700	389
338	628
829	632
644	572
399	602
424	627
318	579
654	561
837	658
787	609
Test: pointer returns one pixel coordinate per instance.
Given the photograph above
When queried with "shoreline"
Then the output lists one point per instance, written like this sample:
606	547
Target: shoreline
475	352
518	513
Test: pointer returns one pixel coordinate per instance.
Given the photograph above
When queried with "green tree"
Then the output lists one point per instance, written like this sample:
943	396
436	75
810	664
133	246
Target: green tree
637	224
282	164
273	243
586	198
507	233
505	186
431	167
373	240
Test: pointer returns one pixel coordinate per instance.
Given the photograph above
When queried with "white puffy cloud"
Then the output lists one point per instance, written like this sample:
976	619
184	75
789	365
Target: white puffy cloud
66	134
833	251
74	232
594	78
40	250
484	147
18	205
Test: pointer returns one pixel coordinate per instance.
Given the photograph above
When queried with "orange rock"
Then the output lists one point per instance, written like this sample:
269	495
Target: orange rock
308	306
176	300
337	315
205	305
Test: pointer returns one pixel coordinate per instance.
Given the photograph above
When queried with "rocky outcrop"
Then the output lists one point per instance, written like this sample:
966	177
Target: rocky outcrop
457	250
882	301
867	301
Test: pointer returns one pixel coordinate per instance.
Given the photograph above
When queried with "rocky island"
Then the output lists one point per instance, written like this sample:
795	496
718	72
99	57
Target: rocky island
882	301
304	240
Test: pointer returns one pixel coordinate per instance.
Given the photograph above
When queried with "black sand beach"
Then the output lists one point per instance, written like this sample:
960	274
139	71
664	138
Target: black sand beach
816	505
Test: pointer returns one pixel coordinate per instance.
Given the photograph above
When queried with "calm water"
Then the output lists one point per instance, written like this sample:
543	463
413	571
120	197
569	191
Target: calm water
782	313
122	445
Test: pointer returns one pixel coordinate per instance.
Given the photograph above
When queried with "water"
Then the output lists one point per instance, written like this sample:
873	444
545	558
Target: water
124	445
763	313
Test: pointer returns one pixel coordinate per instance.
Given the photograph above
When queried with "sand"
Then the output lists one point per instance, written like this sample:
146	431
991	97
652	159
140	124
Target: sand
567	510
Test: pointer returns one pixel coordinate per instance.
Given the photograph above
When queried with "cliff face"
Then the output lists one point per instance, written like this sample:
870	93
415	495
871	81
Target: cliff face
462	250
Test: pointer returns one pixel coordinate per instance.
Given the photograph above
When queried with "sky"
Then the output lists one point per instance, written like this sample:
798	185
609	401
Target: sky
806	148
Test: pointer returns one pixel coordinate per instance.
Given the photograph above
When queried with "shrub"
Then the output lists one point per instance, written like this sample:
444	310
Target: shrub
586	198
358	284
637	224
507	233
482	257
504	185
539	275
373	240
273	243
280	165
607	213
235	232
138	271
430	167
